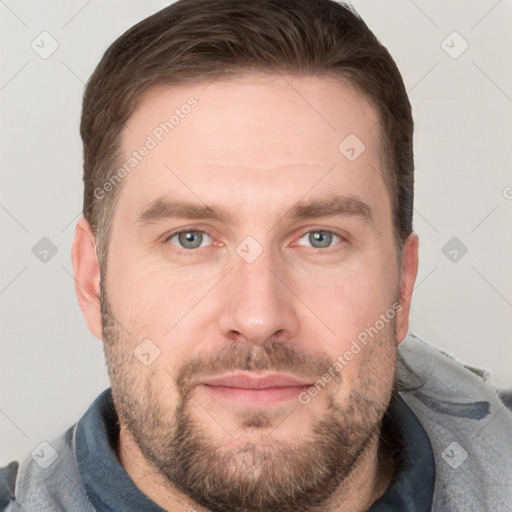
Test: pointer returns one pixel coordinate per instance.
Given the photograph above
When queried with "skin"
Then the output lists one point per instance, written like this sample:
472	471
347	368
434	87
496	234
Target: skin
255	146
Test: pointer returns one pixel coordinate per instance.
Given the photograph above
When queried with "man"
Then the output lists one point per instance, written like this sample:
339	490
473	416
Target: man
248	259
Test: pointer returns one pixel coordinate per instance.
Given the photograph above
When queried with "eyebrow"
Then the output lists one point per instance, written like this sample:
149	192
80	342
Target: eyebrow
333	206
339	206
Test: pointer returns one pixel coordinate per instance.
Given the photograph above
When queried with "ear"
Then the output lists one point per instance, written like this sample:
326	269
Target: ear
86	271
409	272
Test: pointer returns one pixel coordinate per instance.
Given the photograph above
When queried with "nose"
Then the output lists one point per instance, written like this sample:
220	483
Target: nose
257	302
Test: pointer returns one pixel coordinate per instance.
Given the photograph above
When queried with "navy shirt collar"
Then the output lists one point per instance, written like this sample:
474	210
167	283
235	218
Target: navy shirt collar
412	489
110	488
107	484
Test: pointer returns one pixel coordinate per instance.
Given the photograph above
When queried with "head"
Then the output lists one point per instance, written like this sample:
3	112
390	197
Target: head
248	172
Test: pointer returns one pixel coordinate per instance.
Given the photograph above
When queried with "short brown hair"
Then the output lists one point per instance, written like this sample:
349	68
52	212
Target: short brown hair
195	40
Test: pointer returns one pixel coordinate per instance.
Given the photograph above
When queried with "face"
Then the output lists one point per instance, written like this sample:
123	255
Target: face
250	307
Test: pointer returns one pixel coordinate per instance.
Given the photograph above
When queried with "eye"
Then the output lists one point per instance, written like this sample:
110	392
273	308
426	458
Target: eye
320	239
189	238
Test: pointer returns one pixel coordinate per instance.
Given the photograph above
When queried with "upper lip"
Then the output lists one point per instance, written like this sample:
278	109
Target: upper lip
251	381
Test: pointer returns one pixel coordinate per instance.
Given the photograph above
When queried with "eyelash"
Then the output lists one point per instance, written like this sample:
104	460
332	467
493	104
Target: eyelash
333	248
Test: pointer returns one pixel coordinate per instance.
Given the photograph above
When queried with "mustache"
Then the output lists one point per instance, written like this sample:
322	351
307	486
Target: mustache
276	356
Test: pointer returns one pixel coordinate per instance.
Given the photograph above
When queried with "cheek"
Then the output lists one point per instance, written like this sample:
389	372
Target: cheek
170	307
147	291
357	307
348	301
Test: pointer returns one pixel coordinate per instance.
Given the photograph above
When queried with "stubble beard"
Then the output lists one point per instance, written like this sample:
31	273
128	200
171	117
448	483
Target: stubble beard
252	476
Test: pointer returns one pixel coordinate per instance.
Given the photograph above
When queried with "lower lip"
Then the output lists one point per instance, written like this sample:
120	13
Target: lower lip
257	397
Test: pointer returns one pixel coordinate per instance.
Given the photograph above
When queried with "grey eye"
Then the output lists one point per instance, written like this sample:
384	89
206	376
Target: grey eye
320	239
189	239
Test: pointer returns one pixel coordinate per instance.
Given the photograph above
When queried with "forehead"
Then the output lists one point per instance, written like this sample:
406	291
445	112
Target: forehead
281	135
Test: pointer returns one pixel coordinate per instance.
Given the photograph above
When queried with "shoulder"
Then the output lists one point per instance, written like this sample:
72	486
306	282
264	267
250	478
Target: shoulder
469	424
48	479
447	385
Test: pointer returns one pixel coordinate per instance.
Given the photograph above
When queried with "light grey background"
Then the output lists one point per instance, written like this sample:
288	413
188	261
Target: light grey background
51	367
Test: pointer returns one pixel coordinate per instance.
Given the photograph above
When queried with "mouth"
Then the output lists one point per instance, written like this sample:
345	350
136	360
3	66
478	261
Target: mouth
254	390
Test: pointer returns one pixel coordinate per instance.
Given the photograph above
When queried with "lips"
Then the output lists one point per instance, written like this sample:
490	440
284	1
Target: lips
248	381
249	389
